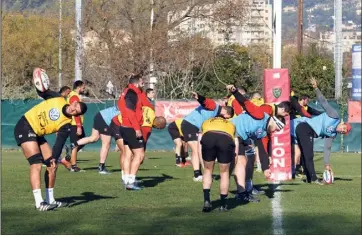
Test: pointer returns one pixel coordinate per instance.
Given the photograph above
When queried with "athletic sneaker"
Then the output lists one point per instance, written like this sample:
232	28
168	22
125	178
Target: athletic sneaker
257	191
138	181
317	181
46	207
66	164
181	165
60	204
133	187
223	208
246	197
75	168
207	207
103	171
188	163
198	178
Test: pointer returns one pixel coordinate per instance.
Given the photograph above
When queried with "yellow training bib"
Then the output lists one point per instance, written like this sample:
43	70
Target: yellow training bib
73	93
219	125
178	125
47	117
148	116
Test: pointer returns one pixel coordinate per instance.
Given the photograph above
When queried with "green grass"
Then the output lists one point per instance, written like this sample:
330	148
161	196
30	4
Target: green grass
171	202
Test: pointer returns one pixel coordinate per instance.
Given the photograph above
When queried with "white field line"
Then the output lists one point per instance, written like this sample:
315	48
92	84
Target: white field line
277	211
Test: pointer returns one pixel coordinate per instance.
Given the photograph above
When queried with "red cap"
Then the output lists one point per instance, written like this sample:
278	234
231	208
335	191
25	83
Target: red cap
349	128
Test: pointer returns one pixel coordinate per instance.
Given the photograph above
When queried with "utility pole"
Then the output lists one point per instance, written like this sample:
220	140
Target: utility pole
300	27
338	47
152	78
60	46
277	34
79	40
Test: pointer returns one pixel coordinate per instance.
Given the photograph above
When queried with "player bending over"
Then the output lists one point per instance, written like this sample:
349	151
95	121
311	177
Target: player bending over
101	129
191	126
181	149
50	116
217	142
326	125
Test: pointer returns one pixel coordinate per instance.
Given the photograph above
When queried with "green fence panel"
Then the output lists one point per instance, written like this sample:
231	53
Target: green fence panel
159	140
352	142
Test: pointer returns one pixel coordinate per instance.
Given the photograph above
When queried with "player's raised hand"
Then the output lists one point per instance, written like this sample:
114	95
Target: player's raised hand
231	88
195	95
313	81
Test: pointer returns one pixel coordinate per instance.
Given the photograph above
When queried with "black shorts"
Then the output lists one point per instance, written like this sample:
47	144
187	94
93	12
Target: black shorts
173	131
100	125
244	145
24	133
217	145
115	131
74	137
130	139
189	131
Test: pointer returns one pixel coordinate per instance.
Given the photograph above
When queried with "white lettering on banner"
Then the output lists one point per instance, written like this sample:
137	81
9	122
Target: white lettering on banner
278	151
279	162
276	141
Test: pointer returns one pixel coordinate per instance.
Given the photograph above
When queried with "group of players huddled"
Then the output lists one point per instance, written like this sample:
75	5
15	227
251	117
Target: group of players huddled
213	132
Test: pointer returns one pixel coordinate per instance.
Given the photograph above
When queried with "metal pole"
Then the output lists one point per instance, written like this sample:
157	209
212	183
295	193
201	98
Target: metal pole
338	47
79	41
60	45
151	79
300	26
277	34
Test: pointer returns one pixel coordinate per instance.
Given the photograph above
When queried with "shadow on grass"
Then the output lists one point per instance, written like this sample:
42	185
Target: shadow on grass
153	158
93	168
80	161
342	179
152	181
84	198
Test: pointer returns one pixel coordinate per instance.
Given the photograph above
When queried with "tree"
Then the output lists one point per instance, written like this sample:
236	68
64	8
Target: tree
315	62
31	41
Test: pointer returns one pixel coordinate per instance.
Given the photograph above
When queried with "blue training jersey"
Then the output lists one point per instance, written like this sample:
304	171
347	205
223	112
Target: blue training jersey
323	125
200	115
109	113
248	127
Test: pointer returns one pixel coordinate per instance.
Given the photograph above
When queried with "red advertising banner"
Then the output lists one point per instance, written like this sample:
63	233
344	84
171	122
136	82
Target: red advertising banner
277	89
173	110
354	111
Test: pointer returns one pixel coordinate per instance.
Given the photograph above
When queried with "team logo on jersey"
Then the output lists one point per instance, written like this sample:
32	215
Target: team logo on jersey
259	132
277	92
54	114
330	129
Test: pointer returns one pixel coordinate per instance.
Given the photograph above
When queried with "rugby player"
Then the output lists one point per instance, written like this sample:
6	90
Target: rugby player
217	142
303	102
50	116
325	125
130	105
77	129
101	129
191	126
181	149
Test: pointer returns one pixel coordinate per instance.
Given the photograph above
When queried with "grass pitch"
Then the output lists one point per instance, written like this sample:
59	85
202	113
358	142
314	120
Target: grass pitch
171	202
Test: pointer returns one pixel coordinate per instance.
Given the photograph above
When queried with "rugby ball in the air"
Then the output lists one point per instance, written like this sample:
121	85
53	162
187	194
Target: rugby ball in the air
40	79
328	177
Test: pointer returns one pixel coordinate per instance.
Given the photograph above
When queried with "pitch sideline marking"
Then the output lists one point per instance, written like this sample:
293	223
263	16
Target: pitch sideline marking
277	211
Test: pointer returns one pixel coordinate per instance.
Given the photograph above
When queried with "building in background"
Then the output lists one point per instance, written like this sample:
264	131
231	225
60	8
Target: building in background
256	29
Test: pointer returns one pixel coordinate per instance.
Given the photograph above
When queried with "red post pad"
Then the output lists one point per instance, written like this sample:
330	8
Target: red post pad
276	90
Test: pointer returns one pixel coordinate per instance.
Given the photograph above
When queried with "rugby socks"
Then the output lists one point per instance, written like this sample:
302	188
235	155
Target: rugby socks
249	185
206	195
178	159
183	160
197	173
131	179
101	166
37	196
49	195
223	199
